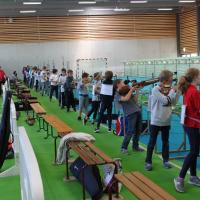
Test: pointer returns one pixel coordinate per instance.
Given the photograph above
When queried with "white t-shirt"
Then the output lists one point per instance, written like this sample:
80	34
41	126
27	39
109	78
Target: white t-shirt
62	80
43	76
54	79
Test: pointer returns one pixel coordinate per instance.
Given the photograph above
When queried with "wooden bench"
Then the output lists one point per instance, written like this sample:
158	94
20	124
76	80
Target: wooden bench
61	128
90	154
39	111
142	187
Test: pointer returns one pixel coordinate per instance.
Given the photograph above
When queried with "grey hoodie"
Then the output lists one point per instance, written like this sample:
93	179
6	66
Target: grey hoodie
160	106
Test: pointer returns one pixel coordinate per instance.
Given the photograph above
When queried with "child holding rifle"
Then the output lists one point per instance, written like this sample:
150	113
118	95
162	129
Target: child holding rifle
132	113
160	106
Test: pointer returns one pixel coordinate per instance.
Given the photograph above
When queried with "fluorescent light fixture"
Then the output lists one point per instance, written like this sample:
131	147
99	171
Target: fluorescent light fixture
76	10
187	1
87	2
121	9
32	3
165	9
27	11
138	1
102	9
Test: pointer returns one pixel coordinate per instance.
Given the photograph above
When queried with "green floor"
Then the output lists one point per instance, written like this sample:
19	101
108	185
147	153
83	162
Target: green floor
54	186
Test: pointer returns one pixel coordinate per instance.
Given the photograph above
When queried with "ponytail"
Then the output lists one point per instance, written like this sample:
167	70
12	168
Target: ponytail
185	81
183	84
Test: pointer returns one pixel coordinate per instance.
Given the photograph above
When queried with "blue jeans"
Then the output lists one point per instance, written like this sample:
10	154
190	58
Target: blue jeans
190	161
134	124
154	130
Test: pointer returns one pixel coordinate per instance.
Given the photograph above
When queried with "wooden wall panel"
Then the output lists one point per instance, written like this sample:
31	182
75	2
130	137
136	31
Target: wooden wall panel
188	31
37	29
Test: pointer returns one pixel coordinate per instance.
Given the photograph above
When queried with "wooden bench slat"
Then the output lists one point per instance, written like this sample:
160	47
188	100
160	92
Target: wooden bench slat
61	128
86	159
99	152
154	187
91	155
38	109
132	188
143	187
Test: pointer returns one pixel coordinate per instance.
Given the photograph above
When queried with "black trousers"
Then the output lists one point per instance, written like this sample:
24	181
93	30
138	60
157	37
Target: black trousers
62	102
70	101
54	88
105	106
154	130
94	109
190	161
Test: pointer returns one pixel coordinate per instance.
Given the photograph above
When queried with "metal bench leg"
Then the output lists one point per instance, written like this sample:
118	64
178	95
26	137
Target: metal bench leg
67	163
55	149
47	130
83	181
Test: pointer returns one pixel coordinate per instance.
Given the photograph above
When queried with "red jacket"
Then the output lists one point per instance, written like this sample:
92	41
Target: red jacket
192	102
2	74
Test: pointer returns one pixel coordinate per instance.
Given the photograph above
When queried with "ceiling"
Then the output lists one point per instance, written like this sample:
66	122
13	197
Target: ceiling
11	8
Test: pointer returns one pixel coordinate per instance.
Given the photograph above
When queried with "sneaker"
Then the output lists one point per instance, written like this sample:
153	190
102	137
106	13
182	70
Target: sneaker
109	130
84	121
79	118
97	130
167	165
148	166
138	149
179	185
124	151
194	180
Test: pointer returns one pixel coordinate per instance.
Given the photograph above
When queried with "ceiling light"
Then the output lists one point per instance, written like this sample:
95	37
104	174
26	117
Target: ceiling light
138	1
186	1
164	9
76	10
102	9
87	2
121	9
32	3
27	11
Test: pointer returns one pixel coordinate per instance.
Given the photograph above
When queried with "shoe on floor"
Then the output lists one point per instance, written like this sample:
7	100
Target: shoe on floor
148	166
109	130
138	149
97	130
167	165
179	185
124	151
79	118
194	180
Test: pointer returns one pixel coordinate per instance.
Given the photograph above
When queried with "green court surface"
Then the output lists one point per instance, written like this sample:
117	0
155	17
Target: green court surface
55	188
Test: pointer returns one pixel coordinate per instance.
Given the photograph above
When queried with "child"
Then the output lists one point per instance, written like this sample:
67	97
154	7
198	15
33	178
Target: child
95	98
83	94
62	80
43	80
191	98
160	106
54	83
107	96
132	113
69	86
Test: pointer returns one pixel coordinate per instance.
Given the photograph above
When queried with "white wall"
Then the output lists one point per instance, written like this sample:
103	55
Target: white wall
14	56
